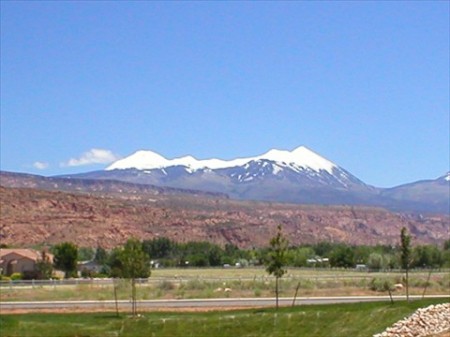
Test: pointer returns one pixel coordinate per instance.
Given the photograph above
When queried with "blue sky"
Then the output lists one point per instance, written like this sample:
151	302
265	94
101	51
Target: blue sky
364	84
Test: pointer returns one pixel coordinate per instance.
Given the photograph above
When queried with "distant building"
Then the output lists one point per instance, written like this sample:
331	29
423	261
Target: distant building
361	267
318	260
89	267
19	260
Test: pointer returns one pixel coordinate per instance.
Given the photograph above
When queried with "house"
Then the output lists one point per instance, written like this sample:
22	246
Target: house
19	260
89	267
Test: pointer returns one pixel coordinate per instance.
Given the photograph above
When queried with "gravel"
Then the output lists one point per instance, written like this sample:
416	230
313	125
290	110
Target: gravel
424	322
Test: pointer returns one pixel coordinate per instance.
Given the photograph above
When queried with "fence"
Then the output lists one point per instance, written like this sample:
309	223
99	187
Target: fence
333	276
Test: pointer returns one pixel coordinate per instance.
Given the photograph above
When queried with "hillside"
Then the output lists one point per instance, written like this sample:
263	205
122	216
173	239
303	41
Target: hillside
32	217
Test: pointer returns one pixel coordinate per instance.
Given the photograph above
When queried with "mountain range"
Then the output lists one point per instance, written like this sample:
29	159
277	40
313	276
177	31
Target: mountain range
300	176
240	201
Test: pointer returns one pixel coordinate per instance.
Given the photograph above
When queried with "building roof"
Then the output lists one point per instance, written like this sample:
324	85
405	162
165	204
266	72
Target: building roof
27	253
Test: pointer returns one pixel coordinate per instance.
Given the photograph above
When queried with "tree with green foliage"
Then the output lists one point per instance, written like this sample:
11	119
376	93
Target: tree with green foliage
342	256
405	256
275	259
200	254
298	257
231	250
159	247
65	258
134	263
44	267
101	256
375	261
85	253
427	256
446	254
323	248
361	254
114	263
446	244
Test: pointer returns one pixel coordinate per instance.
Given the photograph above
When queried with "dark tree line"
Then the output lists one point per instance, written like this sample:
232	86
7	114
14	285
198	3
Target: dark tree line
168	253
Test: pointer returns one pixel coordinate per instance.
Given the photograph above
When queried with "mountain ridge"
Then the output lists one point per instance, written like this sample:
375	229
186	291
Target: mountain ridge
297	176
300	176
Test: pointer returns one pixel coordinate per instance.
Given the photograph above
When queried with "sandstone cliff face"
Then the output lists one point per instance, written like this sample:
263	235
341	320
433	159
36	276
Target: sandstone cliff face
30	217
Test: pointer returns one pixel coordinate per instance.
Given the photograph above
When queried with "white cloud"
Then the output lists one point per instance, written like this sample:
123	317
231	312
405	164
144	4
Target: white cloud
40	165
93	156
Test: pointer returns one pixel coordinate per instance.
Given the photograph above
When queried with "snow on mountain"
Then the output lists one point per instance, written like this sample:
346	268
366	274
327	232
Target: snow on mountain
299	159
297	176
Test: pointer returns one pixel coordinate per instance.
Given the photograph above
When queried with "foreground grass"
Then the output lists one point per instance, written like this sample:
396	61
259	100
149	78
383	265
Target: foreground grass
356	319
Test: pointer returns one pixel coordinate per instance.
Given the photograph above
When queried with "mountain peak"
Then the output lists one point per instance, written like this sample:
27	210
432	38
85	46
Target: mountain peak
300	158
140	160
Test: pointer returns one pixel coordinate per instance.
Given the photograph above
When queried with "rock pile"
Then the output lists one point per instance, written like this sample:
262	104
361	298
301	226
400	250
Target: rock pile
424	322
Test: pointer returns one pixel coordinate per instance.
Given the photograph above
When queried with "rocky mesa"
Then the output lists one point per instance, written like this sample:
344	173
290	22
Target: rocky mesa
32	217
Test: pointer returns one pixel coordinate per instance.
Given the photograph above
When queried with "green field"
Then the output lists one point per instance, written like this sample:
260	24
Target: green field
357	319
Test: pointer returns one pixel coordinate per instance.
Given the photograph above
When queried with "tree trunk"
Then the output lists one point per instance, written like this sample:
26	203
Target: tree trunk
296	292
390	295
115	296
133	296
276	291
407	284
426	284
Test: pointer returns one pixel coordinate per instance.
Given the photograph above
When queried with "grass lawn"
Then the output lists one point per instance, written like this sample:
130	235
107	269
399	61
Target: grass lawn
360	319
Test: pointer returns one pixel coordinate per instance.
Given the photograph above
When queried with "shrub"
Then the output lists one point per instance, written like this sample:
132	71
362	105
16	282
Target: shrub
421	283
307	284
444	281
195	285
166	285
86	273
16	276
377	284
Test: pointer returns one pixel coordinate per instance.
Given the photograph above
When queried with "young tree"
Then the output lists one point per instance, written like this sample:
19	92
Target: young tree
405	256
66	257
135	263
44	267
276	258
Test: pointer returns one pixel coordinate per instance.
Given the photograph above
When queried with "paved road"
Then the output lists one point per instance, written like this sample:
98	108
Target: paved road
197	303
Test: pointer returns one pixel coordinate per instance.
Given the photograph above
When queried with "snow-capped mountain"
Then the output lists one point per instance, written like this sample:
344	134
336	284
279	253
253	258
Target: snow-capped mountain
300	175
299	159
301	164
